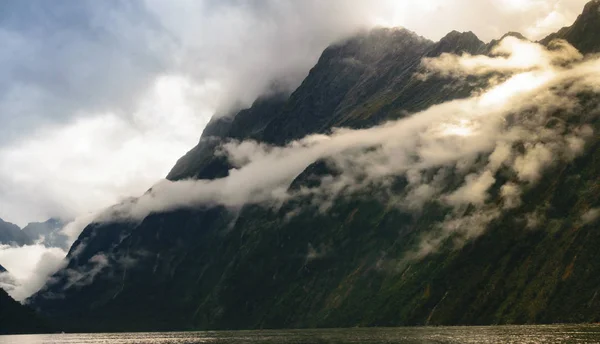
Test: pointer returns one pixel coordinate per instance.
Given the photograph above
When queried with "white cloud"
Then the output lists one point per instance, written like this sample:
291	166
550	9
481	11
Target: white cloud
30	266
590	216
489	19
78	279
530	165
425	140
474	191
96	160
511	195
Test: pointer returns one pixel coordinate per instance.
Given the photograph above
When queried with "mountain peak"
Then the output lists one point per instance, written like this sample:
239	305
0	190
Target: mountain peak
592	8
47	232
457	34
583	34
11	234
457	42
374	45
514	34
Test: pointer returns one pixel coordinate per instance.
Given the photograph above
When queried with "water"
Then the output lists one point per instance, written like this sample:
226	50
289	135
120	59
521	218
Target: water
484	335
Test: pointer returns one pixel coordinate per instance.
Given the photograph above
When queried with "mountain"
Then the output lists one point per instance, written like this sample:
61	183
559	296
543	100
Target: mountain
303	265
577	34
11	234
48	233
16	318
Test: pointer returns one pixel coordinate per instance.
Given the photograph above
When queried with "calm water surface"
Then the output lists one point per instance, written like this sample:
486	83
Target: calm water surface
492	334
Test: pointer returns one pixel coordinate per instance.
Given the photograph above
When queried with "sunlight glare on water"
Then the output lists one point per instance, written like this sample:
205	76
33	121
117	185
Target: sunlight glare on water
484	335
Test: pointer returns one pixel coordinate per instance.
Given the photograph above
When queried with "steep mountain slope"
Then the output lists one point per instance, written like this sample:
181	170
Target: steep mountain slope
578	34
16	318
11	234
356	83
48	233
298	265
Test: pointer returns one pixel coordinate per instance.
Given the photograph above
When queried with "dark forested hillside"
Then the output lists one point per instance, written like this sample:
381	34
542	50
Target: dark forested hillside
359	261
579	33
16	318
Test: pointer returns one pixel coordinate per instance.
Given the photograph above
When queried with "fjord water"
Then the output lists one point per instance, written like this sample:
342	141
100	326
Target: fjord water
471	334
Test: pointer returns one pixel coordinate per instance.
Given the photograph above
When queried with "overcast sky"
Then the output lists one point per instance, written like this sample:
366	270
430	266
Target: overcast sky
98	99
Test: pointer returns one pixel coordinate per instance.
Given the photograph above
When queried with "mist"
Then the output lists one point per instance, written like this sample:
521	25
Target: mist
493	123
28	268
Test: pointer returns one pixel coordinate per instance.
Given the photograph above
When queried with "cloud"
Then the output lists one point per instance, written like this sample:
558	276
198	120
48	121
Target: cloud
509	55
474	191
489	19
590	216
449	134
97	160
78	278
472	139
30	267
8	282
511	195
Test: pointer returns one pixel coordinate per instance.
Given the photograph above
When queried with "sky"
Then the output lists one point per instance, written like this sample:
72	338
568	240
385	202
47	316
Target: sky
98	99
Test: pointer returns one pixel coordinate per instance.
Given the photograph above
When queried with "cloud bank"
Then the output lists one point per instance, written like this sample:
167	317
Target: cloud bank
506	126
28	268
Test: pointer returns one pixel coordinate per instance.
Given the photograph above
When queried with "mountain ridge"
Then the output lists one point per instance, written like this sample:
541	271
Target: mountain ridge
12	235
588	21
212	268
48	233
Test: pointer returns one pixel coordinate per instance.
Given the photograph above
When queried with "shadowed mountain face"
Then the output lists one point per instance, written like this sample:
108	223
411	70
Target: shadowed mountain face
257	267
16	318
11	234
578	34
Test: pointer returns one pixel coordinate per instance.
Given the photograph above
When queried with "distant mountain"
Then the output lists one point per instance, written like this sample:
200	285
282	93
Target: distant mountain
16	318
47	233
215	268
11	234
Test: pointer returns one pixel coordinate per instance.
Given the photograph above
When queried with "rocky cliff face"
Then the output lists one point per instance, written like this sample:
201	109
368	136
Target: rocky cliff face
211	267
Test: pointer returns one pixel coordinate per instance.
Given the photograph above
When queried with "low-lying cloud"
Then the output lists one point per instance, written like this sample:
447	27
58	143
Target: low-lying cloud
509	124
28	268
